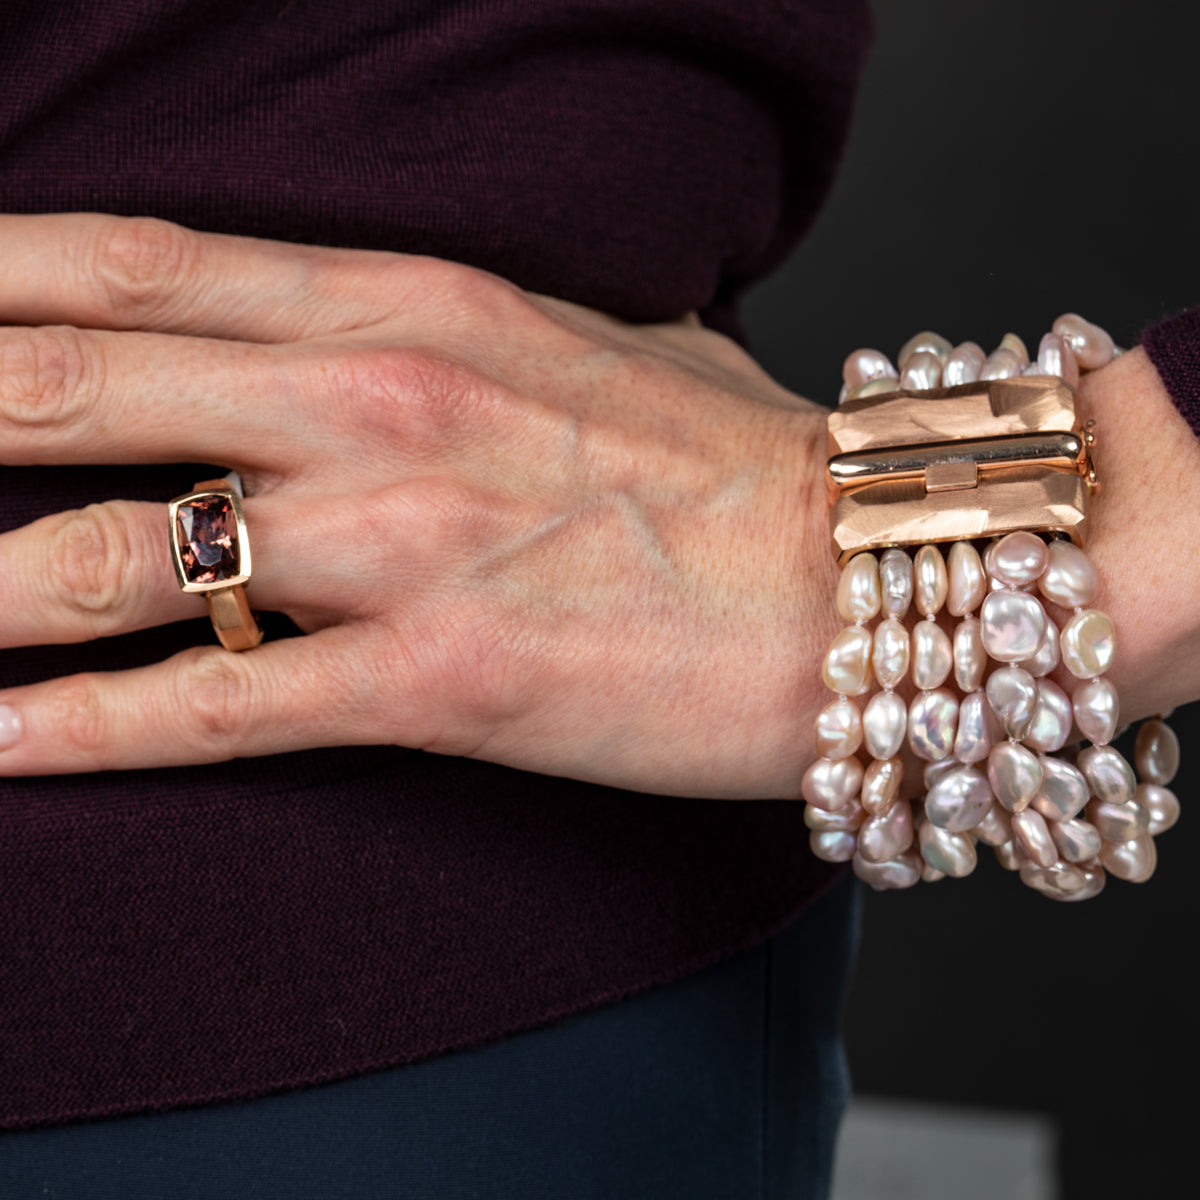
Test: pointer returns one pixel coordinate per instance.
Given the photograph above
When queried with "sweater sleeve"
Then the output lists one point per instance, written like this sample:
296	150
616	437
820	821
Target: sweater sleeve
1173	346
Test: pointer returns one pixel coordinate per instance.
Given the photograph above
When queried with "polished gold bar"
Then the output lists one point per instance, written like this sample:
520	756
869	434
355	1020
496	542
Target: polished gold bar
1064	451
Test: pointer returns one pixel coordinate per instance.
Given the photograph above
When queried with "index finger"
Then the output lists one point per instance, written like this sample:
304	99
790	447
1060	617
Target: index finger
126	273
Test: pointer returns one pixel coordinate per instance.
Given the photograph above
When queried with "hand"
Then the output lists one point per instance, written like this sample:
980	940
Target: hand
510	527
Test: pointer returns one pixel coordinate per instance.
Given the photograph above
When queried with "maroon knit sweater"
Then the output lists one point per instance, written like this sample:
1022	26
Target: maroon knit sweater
175	936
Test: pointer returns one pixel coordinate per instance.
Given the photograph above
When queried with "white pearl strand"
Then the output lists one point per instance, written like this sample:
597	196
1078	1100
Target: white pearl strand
993	774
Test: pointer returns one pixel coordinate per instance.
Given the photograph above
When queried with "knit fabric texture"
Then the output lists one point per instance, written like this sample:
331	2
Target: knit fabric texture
1173	346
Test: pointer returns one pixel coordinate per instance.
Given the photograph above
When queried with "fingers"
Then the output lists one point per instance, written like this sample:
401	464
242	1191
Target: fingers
75	395
108	272
106	570
201	706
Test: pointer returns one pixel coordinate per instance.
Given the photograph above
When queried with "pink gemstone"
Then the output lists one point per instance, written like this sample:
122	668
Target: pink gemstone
208	541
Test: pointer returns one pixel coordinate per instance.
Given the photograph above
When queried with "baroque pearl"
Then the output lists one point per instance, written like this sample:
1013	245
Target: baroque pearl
881	784
1077	841
1063	791
1088	644
1033	835
931	581
831	783
970	658
1002	363
931	724
832	845
926	342
1046	659
959	800
1117	822
1096	710
931	654
864	365
933	771
1109	775
1019	558
891	653
838	729
885	722
1132	861
963	364
1013	695
951	853
1010	855
1069	579
967	583
896	579
977	729
921	371
1013	625
1160	804
1051	719
1156	752
995	829
845	819
847	666
1055	357
1090	344
858	593
1015	774
900	872
1063	881
887	835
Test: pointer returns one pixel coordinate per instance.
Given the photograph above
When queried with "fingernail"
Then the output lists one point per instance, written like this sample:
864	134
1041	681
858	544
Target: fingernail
10	726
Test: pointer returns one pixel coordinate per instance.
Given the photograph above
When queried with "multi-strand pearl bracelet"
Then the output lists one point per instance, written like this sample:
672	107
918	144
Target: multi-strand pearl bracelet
986	455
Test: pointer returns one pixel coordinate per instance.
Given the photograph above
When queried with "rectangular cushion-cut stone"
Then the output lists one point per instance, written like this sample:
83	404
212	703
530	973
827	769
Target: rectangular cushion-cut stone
207	532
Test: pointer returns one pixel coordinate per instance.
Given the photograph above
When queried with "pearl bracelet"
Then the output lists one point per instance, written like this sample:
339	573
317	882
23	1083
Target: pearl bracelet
988	456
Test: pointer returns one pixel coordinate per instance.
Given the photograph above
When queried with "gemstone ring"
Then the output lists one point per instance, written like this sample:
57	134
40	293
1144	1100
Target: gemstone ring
211	555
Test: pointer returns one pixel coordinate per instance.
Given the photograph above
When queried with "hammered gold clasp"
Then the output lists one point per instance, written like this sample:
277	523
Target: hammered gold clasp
960	463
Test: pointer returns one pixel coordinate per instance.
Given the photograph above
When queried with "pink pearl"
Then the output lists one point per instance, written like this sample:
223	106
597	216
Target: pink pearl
963	365
901	872
921	372
864	365
1089	343
1069	579
951	853
1019	558
1077	841
1033	835
1055	357
1160	804
830	783
881	784
967	584
959	800
1013	625
1132	861
832	845
887	835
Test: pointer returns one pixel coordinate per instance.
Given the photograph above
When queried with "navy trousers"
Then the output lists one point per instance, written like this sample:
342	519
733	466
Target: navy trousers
726	1085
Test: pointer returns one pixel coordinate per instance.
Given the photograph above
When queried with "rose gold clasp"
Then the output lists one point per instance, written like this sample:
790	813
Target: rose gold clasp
959	463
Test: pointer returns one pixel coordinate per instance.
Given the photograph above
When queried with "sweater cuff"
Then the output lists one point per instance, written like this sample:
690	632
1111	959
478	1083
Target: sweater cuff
1173	346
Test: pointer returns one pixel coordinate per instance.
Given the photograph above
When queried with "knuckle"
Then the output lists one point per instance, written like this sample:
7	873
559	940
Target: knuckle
139	260
42	375
77	715
92	564
216	696
404	394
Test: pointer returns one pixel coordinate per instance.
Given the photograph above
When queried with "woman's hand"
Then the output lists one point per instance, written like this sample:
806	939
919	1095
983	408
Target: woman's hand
511	528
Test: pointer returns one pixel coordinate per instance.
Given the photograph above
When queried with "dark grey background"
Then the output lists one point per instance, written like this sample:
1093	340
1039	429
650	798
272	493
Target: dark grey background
1011	161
